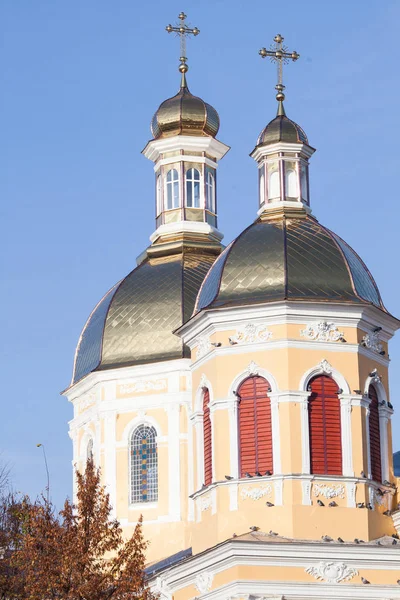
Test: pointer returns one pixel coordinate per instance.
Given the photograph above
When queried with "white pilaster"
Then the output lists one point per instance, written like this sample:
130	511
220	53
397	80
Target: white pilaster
383	430
174	467
233	438
276	438
347	444
110	457
305	436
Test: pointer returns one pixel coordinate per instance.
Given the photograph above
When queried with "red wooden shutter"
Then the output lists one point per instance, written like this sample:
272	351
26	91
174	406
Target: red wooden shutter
255	430
325	427
207	438
374	435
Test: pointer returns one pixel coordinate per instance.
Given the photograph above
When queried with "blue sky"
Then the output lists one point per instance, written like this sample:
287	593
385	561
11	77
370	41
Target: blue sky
80	81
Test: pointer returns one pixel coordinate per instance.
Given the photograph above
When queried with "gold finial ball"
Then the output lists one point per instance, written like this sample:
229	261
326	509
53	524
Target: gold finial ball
278	38
278	54
169	28
263	52
295	55
196	31
182	30
182	16
280	96
183	68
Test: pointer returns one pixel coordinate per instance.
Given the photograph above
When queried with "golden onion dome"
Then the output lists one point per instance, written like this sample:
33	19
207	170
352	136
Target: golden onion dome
281	129
185	114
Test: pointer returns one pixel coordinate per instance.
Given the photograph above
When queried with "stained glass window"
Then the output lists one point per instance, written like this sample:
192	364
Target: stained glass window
144	465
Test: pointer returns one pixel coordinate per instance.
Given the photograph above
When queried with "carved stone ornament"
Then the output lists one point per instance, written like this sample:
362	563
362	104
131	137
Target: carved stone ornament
376	498
375	377
162	589
251	333
322	332
203	582
253	368
86	401
328	491
325	367
203	347
205	502
371	341
332	572
141	385
255	493
203	381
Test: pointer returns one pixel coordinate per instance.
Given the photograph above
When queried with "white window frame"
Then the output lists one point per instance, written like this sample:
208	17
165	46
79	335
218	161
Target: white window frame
190	182
170	188
210	192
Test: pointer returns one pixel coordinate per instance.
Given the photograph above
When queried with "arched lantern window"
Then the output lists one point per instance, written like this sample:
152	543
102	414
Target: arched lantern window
172	185
207	438
374	435
143	465
193	188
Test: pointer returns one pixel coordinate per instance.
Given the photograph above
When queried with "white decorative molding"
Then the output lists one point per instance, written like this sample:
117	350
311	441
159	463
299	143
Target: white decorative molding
325	367
332	572
203	347
253	368
203	582
161	589
328	491
250	333
306	487
278	492
255	493
396	520
205	502
371	342
375	497
142	385
323	331
375	377
351	494
203	382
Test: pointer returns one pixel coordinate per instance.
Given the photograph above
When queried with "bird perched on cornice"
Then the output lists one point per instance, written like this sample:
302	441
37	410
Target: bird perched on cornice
320	503
326	538
363	580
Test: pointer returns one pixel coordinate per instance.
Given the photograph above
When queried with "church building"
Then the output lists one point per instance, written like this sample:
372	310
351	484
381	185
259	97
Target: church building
237	397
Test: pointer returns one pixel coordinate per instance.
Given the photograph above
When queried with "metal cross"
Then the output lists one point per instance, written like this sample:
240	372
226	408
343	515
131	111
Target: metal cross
183	30
279	53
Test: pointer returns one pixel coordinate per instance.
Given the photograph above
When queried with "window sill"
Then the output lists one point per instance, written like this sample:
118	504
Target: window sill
143	505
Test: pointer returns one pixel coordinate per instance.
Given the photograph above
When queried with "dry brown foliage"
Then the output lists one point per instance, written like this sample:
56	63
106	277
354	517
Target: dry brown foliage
79	554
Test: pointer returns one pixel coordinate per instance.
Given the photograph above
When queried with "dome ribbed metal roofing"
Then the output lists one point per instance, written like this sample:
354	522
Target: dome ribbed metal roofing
134	321
282	129
287	259
185	114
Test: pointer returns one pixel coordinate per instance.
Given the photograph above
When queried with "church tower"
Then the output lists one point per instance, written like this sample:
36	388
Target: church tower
238	398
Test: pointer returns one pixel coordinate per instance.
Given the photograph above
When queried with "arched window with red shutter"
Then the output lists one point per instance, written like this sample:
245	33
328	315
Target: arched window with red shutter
255	428
325	427
207	441
374	435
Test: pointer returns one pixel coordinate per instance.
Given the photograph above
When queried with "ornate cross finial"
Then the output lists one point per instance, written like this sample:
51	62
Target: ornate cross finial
279	53
182	29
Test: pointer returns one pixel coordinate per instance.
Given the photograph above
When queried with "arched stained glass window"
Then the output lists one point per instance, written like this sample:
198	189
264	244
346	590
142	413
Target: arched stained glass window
143	465
210	192
172	184
193	188
89	450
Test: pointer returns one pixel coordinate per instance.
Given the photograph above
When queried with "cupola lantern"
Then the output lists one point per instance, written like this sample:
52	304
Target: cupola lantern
282	150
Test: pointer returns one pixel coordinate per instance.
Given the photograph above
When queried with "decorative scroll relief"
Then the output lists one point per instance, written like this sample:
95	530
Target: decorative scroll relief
322	332
142	385
250	333
86	401
255	493
253	368
371	341
325	367
332	572
375	377
328	491
203	347
203	582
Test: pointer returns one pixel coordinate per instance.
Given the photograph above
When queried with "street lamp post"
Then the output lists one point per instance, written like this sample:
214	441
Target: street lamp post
47	469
